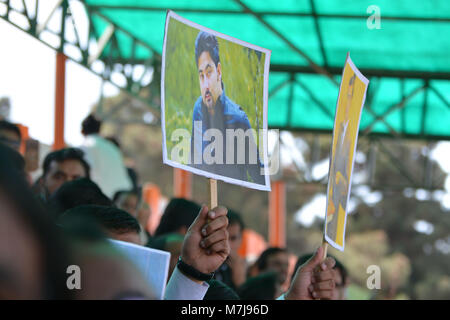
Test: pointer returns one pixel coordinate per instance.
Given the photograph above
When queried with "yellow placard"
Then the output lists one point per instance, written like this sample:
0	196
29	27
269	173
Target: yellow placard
352	94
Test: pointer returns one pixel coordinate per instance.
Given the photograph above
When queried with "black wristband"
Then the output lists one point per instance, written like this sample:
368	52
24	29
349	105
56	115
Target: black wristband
192	272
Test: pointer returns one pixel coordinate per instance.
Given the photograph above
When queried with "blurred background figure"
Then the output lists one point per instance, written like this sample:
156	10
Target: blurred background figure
115	223
33	254
105	159
265	286
10	135
178	216
276	260
170	242
131	202
233	272
76	193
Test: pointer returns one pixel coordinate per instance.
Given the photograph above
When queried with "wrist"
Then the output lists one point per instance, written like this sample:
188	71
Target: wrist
192	273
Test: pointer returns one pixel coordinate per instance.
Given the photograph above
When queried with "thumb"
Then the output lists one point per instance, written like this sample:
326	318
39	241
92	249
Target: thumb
314	261
201	219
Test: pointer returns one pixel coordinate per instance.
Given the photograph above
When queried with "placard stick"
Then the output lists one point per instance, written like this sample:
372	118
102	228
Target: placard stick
212	193
325	249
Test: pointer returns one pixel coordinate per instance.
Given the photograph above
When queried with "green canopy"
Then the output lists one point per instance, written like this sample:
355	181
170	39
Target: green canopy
407	59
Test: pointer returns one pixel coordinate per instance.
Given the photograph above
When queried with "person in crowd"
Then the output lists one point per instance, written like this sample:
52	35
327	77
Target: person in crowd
264	286
33	254
127	200
75	193
177	217
105	159
15	158
59	167
274	259
233	271
10	135
131	171
117	224
170	242
130	201
341	278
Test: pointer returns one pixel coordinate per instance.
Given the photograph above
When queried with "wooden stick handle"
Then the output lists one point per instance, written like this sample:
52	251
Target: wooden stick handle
325	249
212	194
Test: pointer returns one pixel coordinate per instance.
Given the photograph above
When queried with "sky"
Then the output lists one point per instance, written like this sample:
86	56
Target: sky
27	77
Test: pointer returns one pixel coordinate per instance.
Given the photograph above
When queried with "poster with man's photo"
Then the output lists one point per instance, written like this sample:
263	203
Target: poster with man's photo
214	91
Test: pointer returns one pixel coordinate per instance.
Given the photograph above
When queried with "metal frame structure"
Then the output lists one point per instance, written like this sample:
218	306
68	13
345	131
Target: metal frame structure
90	53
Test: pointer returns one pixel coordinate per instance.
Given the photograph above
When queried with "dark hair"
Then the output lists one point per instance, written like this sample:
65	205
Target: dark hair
55	249
90	125
235	218
304	258
219	291
260	287
6	125
261	263
207	42
76	193
120	193
179	213
63	155
110	218
14	157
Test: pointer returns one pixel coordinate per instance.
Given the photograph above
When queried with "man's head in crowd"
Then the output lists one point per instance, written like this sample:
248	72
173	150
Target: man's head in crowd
274	259
341	278
116	223
90	125
235	230
178	216
128	201
76	193
10	135
62	166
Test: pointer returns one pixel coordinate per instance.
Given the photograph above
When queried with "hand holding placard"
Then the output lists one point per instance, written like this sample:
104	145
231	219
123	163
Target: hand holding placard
314	279
206	243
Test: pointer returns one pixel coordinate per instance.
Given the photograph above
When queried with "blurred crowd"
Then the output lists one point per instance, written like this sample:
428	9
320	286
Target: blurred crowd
87	195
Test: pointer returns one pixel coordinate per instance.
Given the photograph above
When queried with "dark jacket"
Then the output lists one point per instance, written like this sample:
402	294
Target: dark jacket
228	115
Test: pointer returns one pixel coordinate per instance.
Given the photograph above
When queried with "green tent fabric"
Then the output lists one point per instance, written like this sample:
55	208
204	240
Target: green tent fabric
407	60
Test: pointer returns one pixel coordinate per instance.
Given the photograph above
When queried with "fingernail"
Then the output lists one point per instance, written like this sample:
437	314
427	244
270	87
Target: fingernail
212	214
208	252
204	232
324	266
314	294
202	244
